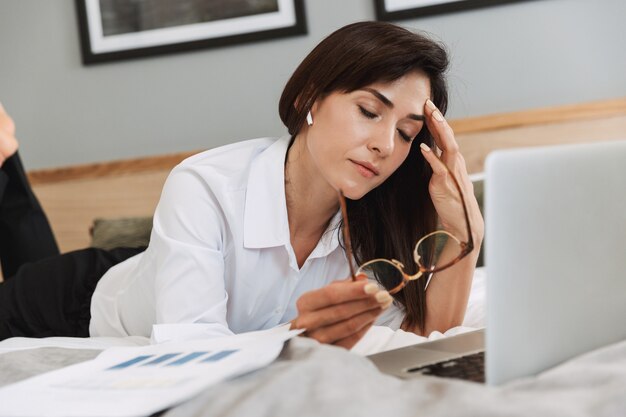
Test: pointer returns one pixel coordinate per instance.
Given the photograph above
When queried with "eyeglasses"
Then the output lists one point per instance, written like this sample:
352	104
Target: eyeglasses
434	252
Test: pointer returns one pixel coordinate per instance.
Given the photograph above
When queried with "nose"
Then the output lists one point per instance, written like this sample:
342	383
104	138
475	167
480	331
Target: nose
382	142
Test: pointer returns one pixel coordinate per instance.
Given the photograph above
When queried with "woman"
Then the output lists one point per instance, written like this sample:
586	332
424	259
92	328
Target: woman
246	236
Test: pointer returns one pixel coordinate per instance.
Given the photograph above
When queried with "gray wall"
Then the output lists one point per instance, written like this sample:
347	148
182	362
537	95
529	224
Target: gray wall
505	58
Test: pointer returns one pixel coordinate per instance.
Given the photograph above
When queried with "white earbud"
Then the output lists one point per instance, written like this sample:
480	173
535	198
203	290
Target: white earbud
309	119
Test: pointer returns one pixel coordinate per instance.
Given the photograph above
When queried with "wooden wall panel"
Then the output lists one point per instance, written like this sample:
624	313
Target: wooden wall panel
73	205
476	146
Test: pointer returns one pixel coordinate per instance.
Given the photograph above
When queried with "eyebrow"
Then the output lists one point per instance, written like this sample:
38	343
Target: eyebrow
389	104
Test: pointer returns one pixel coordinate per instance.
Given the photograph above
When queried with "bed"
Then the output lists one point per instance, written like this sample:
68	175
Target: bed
309	379
313	379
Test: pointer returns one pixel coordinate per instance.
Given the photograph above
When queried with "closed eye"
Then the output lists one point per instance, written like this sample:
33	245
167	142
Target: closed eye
367	114
371	115
404	136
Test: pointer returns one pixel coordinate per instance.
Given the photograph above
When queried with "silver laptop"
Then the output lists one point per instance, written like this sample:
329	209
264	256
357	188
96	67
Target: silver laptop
555	251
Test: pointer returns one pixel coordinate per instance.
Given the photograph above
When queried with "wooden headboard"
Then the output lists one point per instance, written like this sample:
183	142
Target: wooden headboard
74	196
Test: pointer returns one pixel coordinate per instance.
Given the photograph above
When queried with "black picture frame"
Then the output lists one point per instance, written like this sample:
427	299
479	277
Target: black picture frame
91	46
410	12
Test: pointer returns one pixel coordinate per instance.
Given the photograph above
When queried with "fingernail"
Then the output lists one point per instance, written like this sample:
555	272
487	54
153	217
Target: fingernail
382	297
387	304
370	288
438	116
431	105
425	147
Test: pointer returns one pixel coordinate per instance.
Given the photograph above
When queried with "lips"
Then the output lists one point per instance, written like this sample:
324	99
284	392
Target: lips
365	168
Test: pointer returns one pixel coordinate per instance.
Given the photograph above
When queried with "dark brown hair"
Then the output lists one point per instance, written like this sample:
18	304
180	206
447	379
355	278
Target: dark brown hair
388	220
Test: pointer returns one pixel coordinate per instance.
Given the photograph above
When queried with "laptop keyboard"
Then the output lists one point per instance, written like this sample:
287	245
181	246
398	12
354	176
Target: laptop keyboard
470	367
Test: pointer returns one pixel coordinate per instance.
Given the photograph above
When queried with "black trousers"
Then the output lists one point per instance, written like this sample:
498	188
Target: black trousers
44	293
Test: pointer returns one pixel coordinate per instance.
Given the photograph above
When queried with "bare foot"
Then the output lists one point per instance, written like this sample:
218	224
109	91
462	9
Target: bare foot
8	143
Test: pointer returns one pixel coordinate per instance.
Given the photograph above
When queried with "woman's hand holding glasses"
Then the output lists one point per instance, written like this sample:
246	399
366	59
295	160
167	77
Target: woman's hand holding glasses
341	312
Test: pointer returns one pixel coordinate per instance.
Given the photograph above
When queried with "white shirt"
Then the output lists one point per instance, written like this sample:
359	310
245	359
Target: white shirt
220	251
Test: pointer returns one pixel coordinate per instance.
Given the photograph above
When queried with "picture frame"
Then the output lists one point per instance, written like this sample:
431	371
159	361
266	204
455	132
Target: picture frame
112	30
388	10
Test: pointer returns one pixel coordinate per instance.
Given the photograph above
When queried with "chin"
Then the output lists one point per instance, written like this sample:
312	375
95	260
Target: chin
355	189
355	192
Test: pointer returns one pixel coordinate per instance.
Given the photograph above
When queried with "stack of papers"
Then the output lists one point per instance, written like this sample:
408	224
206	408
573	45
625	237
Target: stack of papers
139	381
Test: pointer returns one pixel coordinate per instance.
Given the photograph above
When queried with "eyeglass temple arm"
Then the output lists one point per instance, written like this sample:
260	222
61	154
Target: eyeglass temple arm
470	241
346	233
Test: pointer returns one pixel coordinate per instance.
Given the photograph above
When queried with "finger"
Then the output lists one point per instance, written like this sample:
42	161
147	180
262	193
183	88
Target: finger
350	341
437	165
337	293
441	170
440	129
340	312
345	328
360	276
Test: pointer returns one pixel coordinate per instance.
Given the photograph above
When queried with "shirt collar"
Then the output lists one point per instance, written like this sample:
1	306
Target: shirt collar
265	213
330	239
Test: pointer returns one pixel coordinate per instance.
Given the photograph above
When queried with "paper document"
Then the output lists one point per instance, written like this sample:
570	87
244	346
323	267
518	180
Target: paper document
140	381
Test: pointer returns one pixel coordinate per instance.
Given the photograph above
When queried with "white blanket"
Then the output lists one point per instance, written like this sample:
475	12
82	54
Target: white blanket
316	380
310	379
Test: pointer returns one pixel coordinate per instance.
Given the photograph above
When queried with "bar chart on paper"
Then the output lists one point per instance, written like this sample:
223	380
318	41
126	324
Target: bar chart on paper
140	381
164	370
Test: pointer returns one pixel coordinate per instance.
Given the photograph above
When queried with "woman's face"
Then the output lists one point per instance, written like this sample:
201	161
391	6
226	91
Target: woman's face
359	139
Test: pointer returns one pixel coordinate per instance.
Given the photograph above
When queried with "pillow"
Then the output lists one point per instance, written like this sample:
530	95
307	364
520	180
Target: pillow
130	232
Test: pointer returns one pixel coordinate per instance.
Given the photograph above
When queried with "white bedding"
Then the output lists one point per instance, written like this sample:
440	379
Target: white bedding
310	379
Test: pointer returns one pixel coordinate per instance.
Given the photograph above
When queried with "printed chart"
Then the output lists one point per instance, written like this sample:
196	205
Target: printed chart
140	381
150	371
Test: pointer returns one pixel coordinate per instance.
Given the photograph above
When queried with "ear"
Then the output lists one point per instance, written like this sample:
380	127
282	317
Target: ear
310	111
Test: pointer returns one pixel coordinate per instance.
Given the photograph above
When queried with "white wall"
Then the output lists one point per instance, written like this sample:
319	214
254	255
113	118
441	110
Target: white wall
505	58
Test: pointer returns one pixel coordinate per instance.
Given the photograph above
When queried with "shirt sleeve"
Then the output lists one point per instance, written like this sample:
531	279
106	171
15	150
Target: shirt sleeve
186	248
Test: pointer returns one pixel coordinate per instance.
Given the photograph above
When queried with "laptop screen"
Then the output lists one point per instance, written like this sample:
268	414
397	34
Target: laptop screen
555	251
